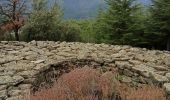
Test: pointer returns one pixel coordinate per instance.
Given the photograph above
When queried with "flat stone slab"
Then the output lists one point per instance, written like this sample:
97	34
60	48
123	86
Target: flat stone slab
159	78
10	80
167	87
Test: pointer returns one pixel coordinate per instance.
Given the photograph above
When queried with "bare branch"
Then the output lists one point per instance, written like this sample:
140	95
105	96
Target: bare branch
3	12
14	11
22	6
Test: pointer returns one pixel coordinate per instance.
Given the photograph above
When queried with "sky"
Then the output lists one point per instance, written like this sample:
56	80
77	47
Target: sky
145	1
79	9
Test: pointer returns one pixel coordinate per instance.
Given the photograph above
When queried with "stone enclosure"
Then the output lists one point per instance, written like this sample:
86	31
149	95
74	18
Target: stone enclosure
27	66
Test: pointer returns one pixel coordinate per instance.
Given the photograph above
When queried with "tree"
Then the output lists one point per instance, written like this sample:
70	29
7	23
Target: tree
160	14
85	29
38	5
119	22
100	28
13	11
70	31
43	23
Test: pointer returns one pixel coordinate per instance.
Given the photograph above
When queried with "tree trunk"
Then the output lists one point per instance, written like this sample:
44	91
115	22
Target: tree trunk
16	34
168	44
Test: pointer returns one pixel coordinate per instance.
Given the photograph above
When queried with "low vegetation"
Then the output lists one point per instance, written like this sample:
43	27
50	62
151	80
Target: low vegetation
90	84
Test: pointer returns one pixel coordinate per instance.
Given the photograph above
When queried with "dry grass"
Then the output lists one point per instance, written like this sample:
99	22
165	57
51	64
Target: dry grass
80	83
142	93
108	85
89	84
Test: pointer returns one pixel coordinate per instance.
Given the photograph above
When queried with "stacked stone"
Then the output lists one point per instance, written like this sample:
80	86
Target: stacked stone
21	63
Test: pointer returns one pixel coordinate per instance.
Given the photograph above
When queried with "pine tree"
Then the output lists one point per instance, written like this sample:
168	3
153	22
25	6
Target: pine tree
119	23
160	14
101	29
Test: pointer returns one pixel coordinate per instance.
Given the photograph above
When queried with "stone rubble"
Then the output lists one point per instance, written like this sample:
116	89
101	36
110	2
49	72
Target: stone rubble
21	63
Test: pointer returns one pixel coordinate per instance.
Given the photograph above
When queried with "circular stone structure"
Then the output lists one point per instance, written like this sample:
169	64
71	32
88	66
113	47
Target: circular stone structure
26	66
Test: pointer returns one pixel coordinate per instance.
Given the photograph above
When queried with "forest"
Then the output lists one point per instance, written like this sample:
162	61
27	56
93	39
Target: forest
124	22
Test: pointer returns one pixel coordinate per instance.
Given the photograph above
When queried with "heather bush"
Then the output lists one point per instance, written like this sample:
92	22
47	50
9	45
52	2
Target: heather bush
108	84
142	93
79	83
90	84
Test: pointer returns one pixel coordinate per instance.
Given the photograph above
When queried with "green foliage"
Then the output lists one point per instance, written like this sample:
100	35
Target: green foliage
42	25
47	24
100	27
1	35
137	30
70	32
84	29
160	19
87	32
5	36
161	16
121	23
39	4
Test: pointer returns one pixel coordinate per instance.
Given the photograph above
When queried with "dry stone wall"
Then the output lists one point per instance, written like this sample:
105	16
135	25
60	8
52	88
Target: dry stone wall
24	66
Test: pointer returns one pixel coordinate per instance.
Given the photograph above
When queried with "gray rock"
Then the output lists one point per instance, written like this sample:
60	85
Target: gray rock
19	66
161	68
126	79
65	54
26	92
120	59
135	62
1	69
168	76
14	92
42	67
2	61
83	54
13	52
94	55
139	57
5	80
17	79
38	61
7	72
33	56
159	78
25	86
127	72
3	87
29	73
157	67
149	58
3	94
167	88
33	42
123	64
167	61
29	81
4	42
142	80
143	70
